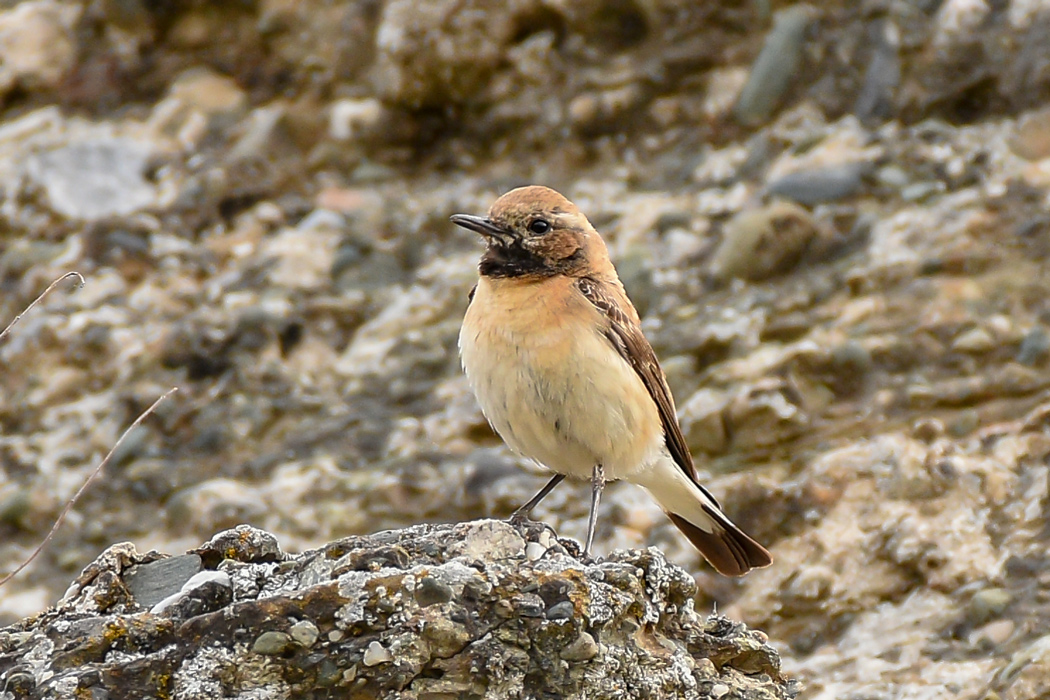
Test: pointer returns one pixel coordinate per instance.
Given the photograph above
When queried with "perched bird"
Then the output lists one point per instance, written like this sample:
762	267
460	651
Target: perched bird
554	351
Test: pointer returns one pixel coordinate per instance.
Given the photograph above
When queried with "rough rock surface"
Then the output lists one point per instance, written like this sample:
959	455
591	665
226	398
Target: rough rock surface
842	267
478	609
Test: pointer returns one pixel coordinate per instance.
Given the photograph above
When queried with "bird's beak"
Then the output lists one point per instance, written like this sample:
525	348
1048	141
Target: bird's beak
484	226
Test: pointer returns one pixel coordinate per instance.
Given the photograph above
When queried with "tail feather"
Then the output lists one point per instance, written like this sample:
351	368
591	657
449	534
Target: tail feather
726	547
697	514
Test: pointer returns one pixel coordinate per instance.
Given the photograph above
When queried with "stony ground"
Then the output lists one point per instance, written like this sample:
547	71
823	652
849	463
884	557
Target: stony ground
834	219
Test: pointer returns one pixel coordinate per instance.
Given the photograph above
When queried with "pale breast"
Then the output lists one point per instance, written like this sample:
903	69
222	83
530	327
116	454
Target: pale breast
551	384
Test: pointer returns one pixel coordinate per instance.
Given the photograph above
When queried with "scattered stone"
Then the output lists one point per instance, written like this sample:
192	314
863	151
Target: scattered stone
759	243
204	592
535	551
432	591
988	603
352	119
206	91
152	582
703	422
583	648
776	66
92	180
811	187
882	77
1035	347
273	643
305	633
561	611
993	635
37	44
1031	137
976	340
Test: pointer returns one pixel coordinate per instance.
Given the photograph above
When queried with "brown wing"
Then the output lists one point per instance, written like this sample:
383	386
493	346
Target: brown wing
626	336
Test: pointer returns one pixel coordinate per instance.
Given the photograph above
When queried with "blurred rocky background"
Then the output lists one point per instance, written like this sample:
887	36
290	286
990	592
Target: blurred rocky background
834	218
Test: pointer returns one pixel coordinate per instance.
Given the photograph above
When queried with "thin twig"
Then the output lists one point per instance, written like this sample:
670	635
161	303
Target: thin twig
43	294
83	487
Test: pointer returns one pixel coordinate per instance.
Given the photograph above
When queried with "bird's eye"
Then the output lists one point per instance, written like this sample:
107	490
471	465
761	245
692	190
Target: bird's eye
539	226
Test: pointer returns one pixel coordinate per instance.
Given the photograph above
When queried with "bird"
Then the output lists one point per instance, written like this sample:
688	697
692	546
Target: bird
554	351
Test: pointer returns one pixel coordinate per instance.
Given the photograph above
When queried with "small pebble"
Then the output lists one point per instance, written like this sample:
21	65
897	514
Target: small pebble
921	191
776	67
1031	137
305	633
534	551
995	633
376	654
965	423
759	243
928	429
561	611
989	603
975	340
851	357
719	690
432	591
811	187
583	648
1035	347
272	643
893	176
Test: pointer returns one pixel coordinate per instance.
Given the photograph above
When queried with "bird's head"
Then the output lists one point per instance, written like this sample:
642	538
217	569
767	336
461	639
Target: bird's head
534	232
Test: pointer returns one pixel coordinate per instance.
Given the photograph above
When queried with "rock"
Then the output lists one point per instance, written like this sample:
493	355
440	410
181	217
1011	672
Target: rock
365	632
703	421
153	582
439	50
96	179
37	44
350	119
993	635
776	66
305	633
976	340
893	472
811	187
1035	347
584	648
882	76
207	91
988	603
272	643
765	414
762	242
1031	136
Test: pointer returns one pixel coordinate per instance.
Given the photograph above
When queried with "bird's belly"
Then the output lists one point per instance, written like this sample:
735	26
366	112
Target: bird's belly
565	399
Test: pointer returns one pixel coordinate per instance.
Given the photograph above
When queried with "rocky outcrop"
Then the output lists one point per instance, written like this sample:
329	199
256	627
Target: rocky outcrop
469	610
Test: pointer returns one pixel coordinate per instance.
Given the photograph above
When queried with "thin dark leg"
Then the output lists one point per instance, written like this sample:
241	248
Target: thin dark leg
597	484
523	512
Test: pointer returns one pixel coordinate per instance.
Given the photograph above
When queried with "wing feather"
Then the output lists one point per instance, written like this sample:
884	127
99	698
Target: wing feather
625	334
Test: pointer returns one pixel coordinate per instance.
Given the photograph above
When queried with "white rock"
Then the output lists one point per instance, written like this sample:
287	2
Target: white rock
36	43
350	118
95	179
376	654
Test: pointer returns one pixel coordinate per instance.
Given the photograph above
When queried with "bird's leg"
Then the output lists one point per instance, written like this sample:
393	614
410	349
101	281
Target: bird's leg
522	514
597	484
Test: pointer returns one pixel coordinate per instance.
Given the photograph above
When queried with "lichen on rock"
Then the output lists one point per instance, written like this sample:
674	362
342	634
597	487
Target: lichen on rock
431	611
